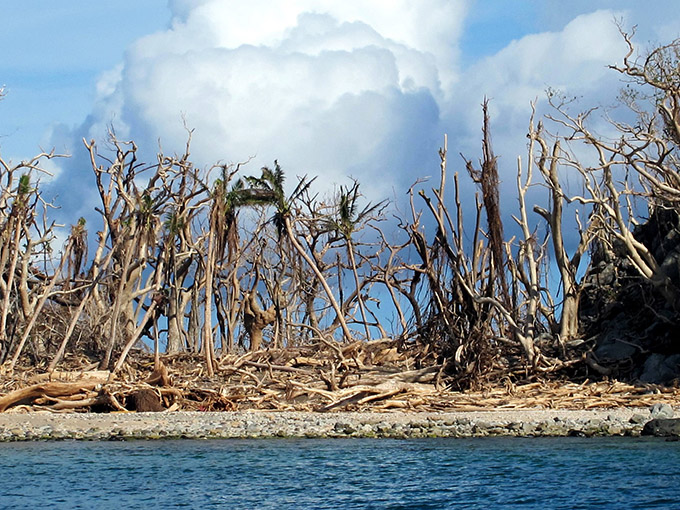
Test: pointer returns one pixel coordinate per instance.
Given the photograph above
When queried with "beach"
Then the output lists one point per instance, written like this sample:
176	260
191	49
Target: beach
19	426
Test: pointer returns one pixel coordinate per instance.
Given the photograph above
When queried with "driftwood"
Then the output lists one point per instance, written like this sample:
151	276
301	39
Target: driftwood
81	401
363	394
99	375
362	376
50	389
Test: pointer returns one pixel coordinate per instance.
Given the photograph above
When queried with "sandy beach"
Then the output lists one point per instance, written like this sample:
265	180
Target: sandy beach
262	424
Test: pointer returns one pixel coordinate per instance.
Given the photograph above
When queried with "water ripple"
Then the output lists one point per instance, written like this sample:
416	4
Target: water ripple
343	474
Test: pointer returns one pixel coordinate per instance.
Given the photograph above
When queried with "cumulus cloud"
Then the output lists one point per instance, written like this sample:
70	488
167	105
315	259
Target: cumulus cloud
328	88
573	61
337	89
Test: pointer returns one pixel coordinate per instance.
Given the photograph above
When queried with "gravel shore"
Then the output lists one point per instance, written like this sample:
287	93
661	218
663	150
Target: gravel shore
254	424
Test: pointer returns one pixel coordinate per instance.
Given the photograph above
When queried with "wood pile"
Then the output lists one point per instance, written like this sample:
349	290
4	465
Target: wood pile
363	376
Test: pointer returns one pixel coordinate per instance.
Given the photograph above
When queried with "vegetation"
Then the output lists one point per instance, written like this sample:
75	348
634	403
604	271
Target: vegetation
210	264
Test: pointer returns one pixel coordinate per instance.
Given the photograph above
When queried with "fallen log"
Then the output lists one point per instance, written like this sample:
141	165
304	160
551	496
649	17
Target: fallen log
50	389
424	376
59	376
282	368
361	394
69	405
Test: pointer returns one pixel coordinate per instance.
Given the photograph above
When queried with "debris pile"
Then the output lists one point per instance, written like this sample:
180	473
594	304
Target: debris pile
372	376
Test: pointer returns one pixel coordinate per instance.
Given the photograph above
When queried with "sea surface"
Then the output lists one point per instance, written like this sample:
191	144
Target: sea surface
343	473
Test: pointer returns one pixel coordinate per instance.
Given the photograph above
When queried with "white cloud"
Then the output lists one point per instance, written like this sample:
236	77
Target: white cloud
431	26
573	61
328	88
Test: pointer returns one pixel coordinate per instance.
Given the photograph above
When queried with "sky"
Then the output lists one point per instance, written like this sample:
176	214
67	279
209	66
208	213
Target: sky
360	88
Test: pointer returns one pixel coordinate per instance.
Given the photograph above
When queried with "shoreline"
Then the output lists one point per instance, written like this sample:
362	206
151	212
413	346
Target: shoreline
43	426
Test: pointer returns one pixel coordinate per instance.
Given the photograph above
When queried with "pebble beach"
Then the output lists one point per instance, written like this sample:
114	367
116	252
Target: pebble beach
261	424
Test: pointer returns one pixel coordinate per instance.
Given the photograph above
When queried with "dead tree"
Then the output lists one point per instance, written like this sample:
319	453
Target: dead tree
25	235
548	165
133	221
641	163
487	178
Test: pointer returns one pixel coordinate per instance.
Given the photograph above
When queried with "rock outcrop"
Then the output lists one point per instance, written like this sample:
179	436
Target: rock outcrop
662	427
634	323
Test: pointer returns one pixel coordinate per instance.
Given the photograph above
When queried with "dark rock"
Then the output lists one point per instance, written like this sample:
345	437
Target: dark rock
611	349
662	427
632	320
670	264
146	400
660	369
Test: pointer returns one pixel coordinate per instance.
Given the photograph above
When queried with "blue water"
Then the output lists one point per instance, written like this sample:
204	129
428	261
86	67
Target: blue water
341	474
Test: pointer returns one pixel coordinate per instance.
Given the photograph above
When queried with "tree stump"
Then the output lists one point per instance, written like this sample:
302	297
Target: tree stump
255	320
146	400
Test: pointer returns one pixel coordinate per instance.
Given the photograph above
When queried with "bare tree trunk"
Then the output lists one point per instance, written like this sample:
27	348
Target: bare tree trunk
357	283
4	311
527	255
174	336
207	311
329	293
548	165
194	323
39	306
122	302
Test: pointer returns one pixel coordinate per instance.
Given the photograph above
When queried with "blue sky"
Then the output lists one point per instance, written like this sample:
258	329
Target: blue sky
361	88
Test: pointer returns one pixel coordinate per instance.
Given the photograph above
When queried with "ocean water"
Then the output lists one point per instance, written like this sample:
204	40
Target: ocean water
343	474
